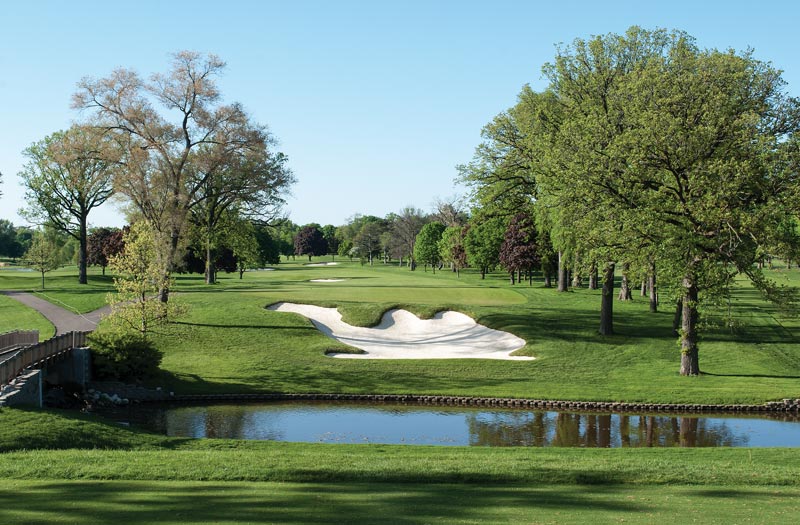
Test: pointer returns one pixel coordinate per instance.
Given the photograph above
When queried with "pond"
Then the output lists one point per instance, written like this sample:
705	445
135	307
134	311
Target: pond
340	422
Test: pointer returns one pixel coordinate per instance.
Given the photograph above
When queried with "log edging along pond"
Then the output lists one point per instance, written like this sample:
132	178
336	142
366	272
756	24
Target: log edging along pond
786	405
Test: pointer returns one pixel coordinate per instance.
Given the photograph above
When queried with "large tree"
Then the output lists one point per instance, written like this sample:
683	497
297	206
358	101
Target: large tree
451	248
706	127
102	244
369	239
310	241
519	251
426	247
68	174
251	185
482	243
404	228
171	127
10	246
670	146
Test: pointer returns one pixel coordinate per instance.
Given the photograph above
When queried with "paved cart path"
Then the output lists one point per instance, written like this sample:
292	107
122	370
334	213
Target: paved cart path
63	320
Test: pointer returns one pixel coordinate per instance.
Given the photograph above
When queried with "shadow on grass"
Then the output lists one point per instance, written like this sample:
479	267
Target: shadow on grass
769	376
146	502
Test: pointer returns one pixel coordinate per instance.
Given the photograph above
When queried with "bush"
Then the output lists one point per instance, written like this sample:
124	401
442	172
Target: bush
123	357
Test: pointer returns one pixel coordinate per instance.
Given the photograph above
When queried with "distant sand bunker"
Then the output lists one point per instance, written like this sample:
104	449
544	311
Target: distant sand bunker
322	264
402	335
325	280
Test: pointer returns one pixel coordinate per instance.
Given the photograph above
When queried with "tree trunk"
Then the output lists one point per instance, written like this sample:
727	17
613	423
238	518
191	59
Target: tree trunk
42	280
174	243
625	293
511	275
643	291
563	286
690	365
210	270
104	270
576	278
82	251
309	257
241	273
676	319
530	277
593	276
483	273
651	285
607	301
548	283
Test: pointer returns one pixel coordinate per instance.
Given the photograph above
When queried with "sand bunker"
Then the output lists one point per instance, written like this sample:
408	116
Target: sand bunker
402	335
325	280
322	264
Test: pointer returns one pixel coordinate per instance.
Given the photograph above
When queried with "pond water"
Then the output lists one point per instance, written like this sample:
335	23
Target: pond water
326	422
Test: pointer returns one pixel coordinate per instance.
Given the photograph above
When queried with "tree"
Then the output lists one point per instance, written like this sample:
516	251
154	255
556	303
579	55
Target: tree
68	174
102	244
451	248
668	146
368	239
42	255
482	243
10	245
403	229
426	247
164	160
329	233
136	304
251	185
450	211
310	241
707	127
519	251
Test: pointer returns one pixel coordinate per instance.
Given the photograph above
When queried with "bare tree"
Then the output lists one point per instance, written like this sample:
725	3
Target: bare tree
404	229
450	211
165	150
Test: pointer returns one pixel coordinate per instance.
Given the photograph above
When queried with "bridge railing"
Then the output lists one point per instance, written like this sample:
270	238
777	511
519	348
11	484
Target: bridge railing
17	338
14	363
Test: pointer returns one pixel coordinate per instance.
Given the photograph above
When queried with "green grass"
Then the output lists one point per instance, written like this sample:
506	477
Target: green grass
15	316
61	287
97	472
248	349
228	342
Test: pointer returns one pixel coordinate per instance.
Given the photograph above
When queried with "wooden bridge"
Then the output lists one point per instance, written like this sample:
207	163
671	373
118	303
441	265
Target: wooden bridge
21	353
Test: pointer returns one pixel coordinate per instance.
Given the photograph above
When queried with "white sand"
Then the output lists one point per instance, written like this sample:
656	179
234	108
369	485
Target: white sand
402	335
322	264
325	280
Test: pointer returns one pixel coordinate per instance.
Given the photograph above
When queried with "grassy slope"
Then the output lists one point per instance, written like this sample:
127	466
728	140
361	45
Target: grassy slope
119	475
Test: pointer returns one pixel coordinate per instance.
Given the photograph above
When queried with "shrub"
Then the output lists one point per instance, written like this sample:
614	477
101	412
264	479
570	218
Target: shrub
123	357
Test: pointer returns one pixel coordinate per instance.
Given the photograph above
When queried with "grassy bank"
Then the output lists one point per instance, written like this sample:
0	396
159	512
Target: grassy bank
96	472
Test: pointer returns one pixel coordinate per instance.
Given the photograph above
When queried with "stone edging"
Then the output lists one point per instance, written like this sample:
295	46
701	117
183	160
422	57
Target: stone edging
786	405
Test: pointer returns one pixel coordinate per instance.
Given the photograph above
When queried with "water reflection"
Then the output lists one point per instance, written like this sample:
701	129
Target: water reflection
399	424
541	429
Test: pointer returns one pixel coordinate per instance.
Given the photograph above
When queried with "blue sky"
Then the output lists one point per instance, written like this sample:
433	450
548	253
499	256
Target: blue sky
375	103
